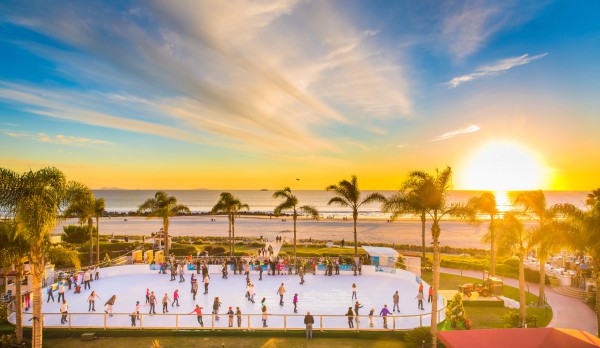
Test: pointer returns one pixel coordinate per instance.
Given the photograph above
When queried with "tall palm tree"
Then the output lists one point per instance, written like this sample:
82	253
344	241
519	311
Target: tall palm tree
82	205
486	204
347	194
291	203
99	206
593	198
432	190
231	206
549	232
512	235
35	200
165	207
408	202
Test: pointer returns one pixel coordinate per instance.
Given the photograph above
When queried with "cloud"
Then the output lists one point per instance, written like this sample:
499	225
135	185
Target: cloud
259	76
470	129
494	69
57	139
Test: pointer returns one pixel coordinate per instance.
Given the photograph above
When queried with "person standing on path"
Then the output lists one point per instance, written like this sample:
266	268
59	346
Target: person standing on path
152	303
396	299
384	313
430	297
175	298
281	292
238	314
309	321
165	303
350	315
198	311
420	297
230	314
206	282
295	302
92	302
354	291
109	305
63	311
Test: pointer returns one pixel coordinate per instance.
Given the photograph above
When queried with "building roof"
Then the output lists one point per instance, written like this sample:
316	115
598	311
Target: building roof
380	251
536	337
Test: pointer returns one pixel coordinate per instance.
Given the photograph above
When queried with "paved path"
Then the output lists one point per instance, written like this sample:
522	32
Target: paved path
276	247
569	312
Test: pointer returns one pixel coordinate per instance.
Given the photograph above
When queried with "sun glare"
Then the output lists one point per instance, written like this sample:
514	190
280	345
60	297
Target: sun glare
503	166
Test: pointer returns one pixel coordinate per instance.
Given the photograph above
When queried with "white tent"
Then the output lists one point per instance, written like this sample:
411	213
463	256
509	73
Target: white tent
381	256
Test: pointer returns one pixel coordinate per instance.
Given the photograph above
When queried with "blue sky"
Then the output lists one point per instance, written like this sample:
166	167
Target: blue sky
248	94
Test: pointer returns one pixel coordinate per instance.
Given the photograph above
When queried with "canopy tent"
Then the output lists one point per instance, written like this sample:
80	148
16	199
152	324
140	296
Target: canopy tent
531	338
381	256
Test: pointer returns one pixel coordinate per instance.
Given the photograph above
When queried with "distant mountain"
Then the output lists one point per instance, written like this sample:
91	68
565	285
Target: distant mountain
112	188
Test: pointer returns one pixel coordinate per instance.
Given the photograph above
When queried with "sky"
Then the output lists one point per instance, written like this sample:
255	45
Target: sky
265	94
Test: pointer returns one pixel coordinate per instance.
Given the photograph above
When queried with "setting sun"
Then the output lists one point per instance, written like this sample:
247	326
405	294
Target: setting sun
504	166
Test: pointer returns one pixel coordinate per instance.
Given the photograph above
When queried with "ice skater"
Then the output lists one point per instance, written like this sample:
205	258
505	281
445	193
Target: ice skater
430	297
92	302
295	302
238	314
357	306
195	288
109	305
384	313
206	283
152	302
63	311
281	292
165	303
181	277
354	291
371	312
230	315
396	299
420	297
50	294
216	306
175	298
198	311
147	295
301	275
61	292
224	270
350	315
265	315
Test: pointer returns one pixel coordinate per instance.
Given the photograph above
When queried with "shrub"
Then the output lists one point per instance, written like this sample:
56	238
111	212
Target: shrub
514	263
511	319
76	234
591	301
3	318
216	251
419	337
8	340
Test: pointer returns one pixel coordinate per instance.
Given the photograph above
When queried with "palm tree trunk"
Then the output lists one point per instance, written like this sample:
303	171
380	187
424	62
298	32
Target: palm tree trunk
295	217
229	232
19	303
597	302
355	217
542	292
436	279
492	248
166	229
97	241
522	304
423	221
232	235
37	269
91	229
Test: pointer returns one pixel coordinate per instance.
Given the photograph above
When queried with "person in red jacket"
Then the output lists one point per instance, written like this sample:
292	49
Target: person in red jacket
430	298
198	311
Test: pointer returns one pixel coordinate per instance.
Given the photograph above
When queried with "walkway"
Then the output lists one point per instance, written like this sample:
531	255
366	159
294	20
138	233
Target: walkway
276	247
568	312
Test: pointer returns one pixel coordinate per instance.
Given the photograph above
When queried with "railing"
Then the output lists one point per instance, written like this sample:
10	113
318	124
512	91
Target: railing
213	322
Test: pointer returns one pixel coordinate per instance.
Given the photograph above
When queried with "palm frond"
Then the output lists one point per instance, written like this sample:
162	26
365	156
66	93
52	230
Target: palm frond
310	211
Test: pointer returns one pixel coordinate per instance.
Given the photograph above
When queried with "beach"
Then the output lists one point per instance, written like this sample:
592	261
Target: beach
457	234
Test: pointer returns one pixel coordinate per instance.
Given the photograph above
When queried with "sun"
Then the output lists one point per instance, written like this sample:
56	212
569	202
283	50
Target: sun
504	166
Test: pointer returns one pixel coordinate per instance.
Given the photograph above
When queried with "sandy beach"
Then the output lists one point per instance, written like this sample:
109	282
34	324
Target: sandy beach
454	233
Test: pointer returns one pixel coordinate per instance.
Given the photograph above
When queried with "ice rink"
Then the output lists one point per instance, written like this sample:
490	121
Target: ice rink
321	295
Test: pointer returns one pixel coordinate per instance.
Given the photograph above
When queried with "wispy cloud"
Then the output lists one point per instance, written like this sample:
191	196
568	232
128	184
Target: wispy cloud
470	129
494	69
57	139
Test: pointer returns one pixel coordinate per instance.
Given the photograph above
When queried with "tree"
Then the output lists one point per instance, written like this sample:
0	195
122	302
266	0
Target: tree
291	203
408	202
432	191
165	207
99	206
548	235
35	200
485	204
74	234
347	194
231	206
82	204
512	235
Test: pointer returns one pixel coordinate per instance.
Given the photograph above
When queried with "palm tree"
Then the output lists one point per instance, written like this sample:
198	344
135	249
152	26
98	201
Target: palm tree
485	204
593	198
512	235
347	194
99	206
35	200
165	207
82	205
408	202
290	203
231	206
548	235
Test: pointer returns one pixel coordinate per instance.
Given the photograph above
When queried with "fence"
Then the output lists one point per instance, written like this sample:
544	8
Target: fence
285	322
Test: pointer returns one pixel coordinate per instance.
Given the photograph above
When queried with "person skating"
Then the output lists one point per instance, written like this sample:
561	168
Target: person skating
354	291
175	298
230	314
281	292
195	288
63	311
264	316
224	270
371	312
147	295
396	298
295	302
137	308
109	305
152	302
260	271
238	314
165	303
251	292
133	318
206	283
50	294
420	297
61	292
350	315
384	313
301	274
198	311
173	272
92	302
357	306
216	306
181	273
309	321
430	297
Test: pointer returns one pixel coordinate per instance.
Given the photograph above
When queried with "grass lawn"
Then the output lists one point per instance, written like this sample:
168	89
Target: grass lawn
237	342
491	317
310	251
